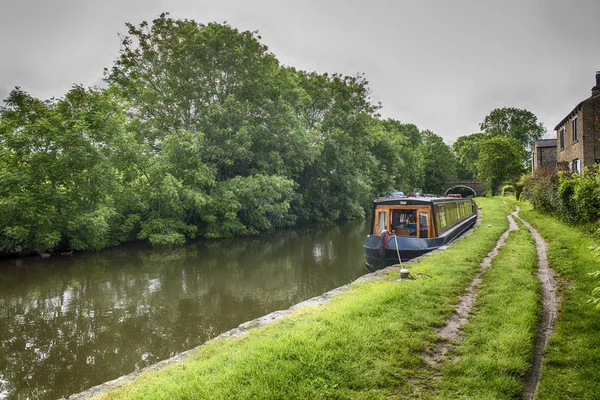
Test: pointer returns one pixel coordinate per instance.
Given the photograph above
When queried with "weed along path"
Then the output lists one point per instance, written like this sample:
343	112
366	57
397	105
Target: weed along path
550	304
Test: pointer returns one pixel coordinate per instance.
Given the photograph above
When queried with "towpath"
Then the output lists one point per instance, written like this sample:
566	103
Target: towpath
451	332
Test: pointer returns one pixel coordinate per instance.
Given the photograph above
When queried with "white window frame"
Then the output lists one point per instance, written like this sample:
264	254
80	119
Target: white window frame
576	166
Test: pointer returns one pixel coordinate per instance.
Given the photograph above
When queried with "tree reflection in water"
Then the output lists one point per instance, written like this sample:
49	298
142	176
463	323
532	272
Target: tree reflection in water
67	324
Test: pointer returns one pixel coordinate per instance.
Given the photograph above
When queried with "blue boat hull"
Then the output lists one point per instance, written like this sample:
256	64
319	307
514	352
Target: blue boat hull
379	254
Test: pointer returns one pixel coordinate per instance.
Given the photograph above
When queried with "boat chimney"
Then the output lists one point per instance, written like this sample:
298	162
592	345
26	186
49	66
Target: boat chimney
596	89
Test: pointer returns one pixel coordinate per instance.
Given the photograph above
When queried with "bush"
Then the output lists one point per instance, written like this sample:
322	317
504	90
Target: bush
519	185
245	206
507	190
541	190
573	198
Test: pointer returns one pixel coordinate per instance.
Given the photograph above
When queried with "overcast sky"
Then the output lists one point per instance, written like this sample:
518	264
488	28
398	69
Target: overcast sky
441	65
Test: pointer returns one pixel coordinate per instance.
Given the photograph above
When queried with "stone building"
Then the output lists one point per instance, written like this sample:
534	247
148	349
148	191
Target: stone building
543	154
576	135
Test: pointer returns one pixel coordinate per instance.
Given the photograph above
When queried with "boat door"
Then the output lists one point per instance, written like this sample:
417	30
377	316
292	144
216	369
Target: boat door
382	222
423	224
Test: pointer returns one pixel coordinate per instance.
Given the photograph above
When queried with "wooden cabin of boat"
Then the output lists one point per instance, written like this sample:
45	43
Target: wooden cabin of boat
418	224
420	217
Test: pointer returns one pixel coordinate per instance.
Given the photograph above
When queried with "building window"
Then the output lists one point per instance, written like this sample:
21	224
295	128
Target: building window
574	126
575	167
561	137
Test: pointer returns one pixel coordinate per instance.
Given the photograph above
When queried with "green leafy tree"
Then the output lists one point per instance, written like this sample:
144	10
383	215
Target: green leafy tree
439	163
247	205
208	104
337	185
200	132
467	149
518	124
396	149
218	83
500	160
58	183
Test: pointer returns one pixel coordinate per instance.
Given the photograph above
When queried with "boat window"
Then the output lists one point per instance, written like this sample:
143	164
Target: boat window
423	225
382	220
442	216
404	222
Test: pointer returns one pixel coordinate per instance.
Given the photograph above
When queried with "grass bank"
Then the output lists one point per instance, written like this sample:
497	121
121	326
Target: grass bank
572	363
499	339
365	343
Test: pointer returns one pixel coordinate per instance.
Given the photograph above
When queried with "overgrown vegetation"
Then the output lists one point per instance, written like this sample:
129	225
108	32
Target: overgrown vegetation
571	197
508	190
200	132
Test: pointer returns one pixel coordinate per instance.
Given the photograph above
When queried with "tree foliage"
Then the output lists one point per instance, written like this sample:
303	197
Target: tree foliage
200	133
466	149
57	179
518	124
439	163
500	159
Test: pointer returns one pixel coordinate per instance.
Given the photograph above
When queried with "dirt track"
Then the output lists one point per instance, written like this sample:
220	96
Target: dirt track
451	332
550	304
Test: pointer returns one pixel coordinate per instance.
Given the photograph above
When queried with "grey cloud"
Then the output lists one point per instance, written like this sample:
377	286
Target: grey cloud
441	65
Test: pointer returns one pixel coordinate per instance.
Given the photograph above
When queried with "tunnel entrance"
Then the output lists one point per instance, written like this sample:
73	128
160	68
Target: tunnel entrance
464	191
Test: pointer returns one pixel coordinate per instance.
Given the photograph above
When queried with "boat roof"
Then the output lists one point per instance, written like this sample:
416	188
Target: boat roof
415	200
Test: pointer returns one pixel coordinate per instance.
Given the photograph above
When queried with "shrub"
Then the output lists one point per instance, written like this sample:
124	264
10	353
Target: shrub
573	198
507	189
519	185
541	189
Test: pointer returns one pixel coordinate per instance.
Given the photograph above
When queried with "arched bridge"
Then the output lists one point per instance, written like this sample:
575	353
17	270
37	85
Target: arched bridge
477	187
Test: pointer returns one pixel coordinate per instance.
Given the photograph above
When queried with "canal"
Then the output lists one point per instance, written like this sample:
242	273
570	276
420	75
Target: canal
69	323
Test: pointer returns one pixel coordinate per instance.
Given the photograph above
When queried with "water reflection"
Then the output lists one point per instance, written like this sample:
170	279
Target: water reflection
67	324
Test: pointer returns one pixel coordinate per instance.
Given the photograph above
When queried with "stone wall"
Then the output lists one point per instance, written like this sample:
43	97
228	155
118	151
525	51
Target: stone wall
591	152
587	148
545	157
571	150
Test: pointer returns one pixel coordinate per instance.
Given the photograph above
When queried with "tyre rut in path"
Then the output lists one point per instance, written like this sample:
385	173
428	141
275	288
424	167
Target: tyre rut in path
550	304
451	332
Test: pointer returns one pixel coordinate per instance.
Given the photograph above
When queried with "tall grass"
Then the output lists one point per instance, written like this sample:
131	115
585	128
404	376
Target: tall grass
572	363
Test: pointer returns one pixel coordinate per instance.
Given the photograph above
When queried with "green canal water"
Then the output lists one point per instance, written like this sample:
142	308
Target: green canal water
69	323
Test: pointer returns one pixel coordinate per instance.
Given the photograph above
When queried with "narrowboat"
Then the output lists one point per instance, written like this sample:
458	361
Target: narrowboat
408	227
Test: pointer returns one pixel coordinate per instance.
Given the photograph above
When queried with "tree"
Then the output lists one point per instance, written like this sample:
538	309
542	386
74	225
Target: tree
500	159
395	147
514	123
467	150
337	184
209	104
217	83
439	163
58	181
200	132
